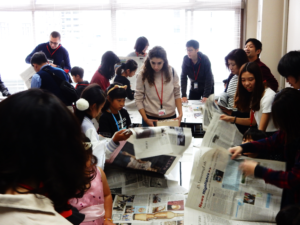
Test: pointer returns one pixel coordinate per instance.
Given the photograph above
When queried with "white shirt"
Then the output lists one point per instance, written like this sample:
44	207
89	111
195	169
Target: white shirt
102	149
266	107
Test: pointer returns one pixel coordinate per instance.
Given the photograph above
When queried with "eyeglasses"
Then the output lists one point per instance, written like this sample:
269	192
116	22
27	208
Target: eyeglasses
54	43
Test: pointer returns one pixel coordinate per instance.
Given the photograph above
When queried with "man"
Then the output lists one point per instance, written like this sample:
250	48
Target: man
253	48
196	66
3	89
44	77
289	67
77	75
57	55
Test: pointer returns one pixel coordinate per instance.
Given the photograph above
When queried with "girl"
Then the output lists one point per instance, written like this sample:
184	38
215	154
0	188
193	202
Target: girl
88	107
141	46
114	117
106	70
286	141
127	69
252	94
43	161
96	203
157	89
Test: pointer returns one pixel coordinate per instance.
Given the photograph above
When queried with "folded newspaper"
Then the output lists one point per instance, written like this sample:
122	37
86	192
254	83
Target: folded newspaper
220	189
152	209
27	76
210	108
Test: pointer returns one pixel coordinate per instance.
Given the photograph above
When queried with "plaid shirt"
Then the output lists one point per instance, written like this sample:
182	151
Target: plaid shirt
289	180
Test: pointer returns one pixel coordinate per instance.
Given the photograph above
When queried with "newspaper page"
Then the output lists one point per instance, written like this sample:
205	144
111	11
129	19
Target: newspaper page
219	188
210	108
152	209
27	76
154	141
221	133
124	156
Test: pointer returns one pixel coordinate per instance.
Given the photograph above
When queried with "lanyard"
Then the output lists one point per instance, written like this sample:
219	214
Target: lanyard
122	126
162	90
196	76
51	54
251	117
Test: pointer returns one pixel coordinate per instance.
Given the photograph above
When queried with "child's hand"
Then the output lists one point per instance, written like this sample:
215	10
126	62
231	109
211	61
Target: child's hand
120	136
106	222
235	151
248	167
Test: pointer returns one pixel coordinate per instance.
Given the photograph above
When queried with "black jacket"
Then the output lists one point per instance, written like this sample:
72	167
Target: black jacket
205	77
80	87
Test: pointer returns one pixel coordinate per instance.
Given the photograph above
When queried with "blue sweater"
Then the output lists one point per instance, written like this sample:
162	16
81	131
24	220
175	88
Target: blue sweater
60	55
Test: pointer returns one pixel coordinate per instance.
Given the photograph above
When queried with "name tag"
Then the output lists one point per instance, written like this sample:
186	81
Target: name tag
161	112
195	85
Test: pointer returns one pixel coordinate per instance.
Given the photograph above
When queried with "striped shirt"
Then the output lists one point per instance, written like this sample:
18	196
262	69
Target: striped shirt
232	86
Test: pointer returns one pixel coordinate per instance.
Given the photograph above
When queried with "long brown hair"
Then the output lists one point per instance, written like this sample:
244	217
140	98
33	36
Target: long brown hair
148	72
245	100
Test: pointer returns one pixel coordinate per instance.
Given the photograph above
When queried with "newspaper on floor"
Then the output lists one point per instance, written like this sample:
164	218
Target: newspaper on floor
27	76
221	133
210	108
152	209
219	188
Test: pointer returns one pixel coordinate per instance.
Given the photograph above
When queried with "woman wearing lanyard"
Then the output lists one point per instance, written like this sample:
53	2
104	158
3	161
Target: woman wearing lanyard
114	117
157	89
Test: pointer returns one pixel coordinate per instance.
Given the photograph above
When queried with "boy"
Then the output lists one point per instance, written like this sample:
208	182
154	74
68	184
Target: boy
77	75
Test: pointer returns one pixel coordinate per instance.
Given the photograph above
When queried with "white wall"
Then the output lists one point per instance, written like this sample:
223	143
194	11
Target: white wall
293	38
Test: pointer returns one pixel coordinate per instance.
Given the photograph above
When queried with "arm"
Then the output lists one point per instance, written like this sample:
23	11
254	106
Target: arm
264	121
179	108
241	121
209	81
28	58
177	96
107	199
36	81
67	60
183	78
145	118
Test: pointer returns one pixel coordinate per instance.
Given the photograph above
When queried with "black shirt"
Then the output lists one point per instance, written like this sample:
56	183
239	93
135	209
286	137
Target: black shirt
80	87
125	81
107	123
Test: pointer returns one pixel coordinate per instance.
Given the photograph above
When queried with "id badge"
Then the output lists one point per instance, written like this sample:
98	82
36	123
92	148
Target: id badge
195	85
161	112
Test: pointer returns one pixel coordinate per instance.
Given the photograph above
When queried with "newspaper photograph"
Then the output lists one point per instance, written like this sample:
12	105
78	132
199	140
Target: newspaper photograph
210	108
219	188
154	209
221	133
154	141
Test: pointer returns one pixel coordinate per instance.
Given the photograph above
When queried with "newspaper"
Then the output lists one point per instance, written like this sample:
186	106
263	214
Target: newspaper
154	209
210	108
220	189
221	133
27	76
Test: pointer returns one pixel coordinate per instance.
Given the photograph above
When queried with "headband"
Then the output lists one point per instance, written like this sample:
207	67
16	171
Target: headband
87	145
116	86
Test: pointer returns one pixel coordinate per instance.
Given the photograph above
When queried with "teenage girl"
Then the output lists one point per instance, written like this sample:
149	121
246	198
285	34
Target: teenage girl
114	117
127	69
88	107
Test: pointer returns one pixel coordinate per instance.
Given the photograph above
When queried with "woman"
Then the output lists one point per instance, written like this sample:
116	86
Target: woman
286	142
141	46
42	160
252	95
106	70
157	89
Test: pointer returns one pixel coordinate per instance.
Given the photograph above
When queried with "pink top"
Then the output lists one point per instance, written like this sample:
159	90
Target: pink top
92	203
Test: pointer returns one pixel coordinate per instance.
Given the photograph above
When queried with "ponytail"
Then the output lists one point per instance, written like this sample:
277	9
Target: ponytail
130	64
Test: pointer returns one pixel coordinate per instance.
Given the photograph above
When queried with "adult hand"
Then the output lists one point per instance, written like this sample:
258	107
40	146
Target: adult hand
227	118
121	136
235	151
203	99
226	111
150	122
179	118
248	167
51	64
184	100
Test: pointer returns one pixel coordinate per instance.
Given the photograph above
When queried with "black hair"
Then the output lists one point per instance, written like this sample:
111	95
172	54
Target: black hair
114	94
148	72
244	99
55	34
94	95
238	55
289	65
130	64
38	58
289	215
41	146
286	111
193	43
225	81
141	44
108	61
77	71
257	44
254	134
